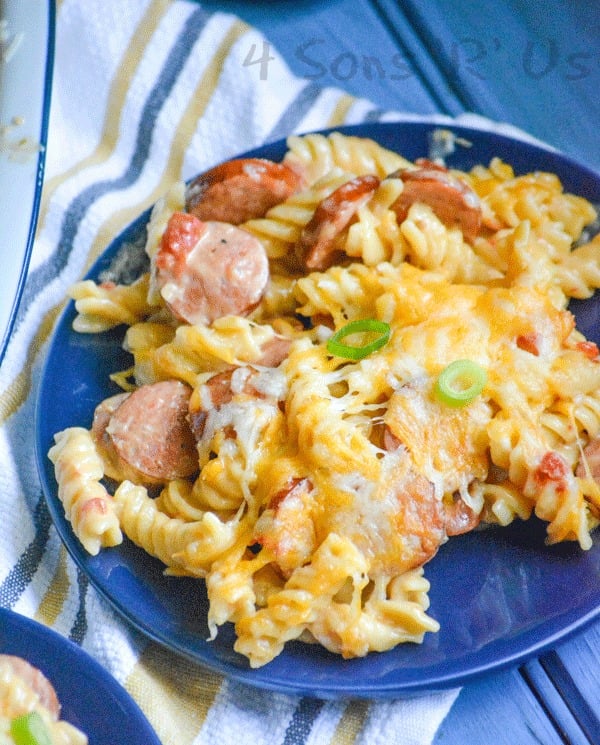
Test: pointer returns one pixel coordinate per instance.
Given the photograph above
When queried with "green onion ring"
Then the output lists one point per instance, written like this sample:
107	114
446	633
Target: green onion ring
372	325
29	729
460	382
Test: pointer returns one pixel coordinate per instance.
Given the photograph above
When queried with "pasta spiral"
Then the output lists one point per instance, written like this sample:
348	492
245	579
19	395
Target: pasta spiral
315	155
87	504
101	307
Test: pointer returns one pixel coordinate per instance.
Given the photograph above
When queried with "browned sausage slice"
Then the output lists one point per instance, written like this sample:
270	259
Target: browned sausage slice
286	527
459	517
150	432
206	270
452	200
591	456
317	245
217	391
274	351
36	680
113	467
240	190
214	393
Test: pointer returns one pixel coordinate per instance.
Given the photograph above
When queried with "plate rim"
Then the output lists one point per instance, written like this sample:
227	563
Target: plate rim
350	688
26	643
36	199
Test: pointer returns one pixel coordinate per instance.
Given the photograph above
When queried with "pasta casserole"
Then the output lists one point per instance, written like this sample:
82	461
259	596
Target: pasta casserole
339	362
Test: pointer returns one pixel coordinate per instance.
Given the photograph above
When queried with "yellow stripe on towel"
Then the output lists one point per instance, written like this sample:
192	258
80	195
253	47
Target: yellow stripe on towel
174	693
198	101
127	68
351	723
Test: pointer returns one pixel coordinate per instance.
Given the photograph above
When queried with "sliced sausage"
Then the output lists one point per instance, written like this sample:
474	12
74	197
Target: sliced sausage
218	391
459	518
274	351
240	190
206	270
212	394
452	200
430	164
591	456
317	245
420	519
113	467
36	680
286	527
150	433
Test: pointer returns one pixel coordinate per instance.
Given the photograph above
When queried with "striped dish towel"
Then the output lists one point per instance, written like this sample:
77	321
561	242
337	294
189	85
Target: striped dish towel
147	92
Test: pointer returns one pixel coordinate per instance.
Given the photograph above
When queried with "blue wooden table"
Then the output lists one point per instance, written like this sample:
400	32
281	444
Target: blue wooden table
535	65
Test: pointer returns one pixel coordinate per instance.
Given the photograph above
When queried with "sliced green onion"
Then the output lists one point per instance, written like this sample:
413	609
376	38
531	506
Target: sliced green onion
364	325
460	382
30	729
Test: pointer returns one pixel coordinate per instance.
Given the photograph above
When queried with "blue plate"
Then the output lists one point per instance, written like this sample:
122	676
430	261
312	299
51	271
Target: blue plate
90	698
500	596
26	86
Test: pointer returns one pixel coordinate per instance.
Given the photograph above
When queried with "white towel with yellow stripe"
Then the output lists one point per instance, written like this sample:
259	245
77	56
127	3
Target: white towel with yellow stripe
147	92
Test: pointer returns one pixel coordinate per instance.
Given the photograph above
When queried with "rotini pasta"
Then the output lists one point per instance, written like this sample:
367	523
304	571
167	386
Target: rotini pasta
101	307
186	547
430	245
316	155
280	229
89	507
308	480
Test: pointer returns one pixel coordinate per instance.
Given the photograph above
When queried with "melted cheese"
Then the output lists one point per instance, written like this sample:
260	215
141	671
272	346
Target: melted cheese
447	445
333	409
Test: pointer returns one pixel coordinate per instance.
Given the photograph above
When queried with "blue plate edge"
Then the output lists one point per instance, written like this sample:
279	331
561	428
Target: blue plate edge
39	178
253	678
78	656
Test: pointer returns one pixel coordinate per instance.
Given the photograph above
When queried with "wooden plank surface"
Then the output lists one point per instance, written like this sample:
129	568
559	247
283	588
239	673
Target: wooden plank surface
500	709
340	43
533	64
573	667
